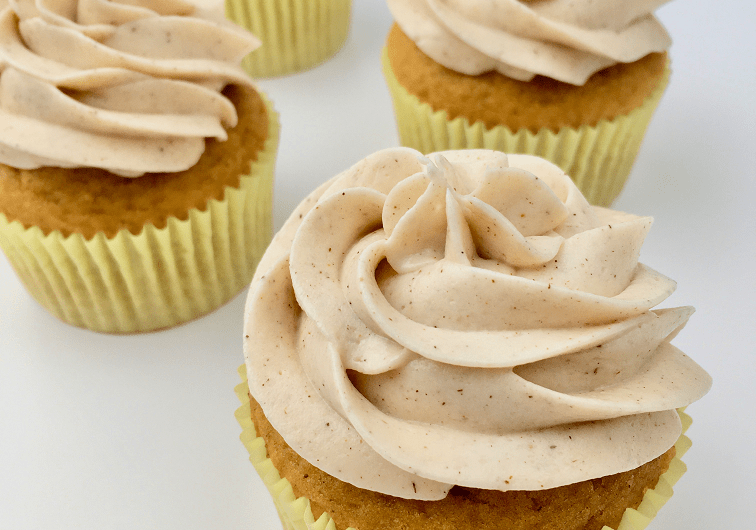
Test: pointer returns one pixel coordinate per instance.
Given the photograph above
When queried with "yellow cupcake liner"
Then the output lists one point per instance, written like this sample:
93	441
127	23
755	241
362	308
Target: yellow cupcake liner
160	277
296	514
598	159
295	34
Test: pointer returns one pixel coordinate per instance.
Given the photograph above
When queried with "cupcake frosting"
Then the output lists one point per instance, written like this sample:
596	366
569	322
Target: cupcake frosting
566	40
131	87
465	319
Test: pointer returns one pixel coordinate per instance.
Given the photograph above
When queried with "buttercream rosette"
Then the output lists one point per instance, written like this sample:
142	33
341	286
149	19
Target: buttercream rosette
465	319
565	40
130	88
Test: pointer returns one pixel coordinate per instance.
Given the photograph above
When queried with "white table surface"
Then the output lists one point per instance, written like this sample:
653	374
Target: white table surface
138	432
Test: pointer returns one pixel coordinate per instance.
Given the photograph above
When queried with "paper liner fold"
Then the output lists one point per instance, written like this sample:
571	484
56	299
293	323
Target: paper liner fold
598	159
296	514
295	34
160	277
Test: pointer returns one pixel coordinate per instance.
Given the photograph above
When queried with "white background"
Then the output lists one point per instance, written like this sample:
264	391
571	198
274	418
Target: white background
138	432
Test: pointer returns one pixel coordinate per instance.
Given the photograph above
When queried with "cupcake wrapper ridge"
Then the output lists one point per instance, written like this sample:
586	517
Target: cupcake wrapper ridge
296	513
160	277
296	34
598	158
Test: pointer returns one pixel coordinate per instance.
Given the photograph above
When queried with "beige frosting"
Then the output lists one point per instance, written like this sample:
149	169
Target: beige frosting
128	86
566	40
468	319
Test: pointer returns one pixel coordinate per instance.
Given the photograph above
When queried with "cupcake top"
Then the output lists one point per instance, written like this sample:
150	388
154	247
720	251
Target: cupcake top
130	87
566	40
465	319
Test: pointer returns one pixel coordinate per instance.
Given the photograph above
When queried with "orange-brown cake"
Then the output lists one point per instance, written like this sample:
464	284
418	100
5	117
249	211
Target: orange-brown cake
461	341
496	99
136	161
573	82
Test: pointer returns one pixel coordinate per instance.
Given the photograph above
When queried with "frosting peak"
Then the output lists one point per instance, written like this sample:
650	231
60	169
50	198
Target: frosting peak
466	318
131	87
566	40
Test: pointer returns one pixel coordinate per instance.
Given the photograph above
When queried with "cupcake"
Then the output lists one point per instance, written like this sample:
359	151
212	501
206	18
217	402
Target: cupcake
296	34
136	161
462	341
573	82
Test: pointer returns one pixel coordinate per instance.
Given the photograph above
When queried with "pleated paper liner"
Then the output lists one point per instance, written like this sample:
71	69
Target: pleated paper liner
161	277
296	34
598	159
296	514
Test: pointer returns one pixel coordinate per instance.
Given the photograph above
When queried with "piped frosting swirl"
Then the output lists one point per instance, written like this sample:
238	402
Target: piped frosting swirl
566	40
130	87
465	319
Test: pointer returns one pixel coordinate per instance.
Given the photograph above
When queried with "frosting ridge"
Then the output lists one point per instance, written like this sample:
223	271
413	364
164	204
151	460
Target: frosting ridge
561	39
468	319
131	87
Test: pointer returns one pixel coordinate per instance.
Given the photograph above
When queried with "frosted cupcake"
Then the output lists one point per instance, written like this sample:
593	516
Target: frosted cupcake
296	34
136	160
573	82
463	342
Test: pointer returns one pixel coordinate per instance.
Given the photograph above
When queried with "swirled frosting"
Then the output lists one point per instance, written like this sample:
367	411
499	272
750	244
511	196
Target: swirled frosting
127	86
465	319
566	40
